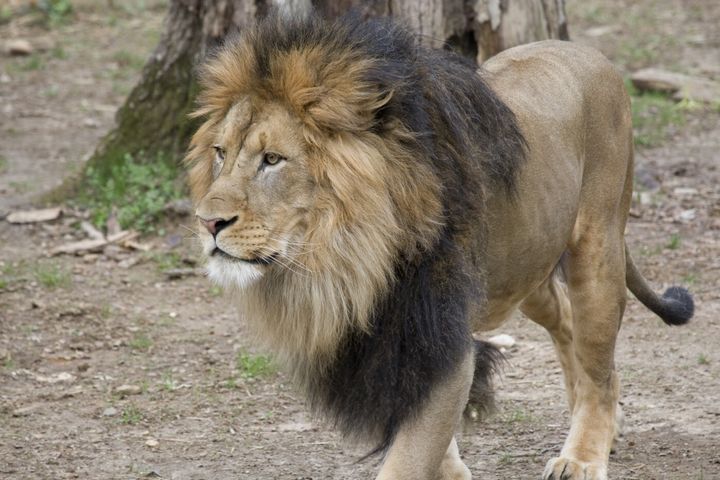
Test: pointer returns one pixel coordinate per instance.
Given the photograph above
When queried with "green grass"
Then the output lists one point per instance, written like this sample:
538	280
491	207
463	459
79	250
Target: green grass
141	342
59	52
20	187
138	191
254	366
6	14
56	12
52	91
518	416
166	260
10	274
674	242
654	115
131	415
703	360
505	459
690	279
215	291
126	59
51	276
106	311
168	383
34	62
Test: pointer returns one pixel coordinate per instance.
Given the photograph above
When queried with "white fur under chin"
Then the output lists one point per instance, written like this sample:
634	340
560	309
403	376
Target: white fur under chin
232	274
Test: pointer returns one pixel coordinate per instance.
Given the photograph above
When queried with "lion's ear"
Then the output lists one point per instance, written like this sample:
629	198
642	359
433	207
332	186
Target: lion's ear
337	95
354	110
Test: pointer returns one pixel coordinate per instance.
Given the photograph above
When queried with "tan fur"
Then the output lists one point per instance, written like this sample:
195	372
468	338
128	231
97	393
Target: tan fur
350	199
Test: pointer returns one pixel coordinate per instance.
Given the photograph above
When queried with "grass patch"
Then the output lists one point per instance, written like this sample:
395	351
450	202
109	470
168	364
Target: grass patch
166	260
10	274
138	191
141	342
254	366
56	12
51	276
518	416
168	383
131	415
674	242
59	53
34	62
215	291
703	360
20	187
52	91
655	116
126	59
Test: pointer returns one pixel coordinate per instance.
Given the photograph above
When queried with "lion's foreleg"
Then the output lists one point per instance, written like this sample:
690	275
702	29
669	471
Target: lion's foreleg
424	448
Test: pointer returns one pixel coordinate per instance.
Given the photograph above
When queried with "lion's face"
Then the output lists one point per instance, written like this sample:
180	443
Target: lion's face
255	211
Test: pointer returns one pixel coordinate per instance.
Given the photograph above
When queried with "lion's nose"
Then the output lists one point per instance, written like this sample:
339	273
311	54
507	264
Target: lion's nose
215	225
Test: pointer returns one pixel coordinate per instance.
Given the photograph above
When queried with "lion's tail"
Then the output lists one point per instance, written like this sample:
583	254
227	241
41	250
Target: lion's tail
675	306
482	396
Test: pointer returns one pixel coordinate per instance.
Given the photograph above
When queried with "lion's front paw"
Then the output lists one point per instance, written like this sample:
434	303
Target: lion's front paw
568	469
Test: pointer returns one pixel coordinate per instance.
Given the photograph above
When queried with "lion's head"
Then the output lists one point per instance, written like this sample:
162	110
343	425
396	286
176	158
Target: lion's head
307	184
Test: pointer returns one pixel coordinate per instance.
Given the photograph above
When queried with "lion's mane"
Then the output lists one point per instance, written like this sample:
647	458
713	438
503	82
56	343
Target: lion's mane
403	142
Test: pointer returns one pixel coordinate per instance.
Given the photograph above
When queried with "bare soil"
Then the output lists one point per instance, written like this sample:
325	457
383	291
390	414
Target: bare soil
74	329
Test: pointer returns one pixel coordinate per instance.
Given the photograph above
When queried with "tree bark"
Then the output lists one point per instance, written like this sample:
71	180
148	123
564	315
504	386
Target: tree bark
153	123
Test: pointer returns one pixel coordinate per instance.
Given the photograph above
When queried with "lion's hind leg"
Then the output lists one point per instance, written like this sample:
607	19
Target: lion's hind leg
595	271
549	306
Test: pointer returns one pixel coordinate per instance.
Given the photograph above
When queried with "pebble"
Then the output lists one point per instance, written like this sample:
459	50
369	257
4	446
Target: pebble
124	390
683	191
502	341
151	442
60	377
687	215
110	412
25	411
19	47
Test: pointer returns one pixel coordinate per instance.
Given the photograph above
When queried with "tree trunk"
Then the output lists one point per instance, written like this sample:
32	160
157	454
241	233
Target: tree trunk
153	122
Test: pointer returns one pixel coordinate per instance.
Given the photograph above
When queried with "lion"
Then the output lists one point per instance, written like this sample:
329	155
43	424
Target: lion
369	203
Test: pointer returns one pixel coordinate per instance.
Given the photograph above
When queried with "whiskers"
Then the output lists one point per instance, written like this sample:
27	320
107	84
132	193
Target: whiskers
193	233
289	262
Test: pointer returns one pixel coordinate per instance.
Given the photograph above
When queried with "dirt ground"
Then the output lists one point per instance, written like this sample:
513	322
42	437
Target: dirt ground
110	370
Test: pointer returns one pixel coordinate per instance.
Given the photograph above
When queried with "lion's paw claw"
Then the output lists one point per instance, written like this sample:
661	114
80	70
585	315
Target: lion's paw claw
568	469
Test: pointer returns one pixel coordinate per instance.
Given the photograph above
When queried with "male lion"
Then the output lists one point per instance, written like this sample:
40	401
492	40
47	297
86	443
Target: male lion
369	203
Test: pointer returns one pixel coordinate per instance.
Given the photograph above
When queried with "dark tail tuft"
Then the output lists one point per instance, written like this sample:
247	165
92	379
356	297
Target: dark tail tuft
482	395
677	306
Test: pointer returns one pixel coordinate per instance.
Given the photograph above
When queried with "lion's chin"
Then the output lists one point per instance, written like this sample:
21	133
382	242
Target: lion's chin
230	274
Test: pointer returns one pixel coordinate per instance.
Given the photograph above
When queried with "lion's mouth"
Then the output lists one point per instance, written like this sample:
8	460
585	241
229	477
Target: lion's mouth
253	261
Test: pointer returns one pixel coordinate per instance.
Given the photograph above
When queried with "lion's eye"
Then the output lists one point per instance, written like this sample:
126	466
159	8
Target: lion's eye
270	158
219	159
219	152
